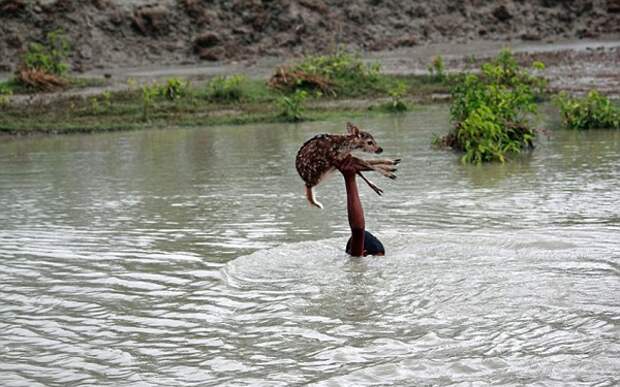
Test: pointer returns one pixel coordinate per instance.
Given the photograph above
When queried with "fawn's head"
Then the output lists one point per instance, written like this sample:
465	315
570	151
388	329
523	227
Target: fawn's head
362	140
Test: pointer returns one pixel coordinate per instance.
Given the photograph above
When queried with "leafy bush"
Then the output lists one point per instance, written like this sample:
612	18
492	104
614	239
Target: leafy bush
437	69
174	89
341	73
594	111
98	105
226	88
491	111
486	137
48	57
94	105
149	92
5	94
291	106
396	103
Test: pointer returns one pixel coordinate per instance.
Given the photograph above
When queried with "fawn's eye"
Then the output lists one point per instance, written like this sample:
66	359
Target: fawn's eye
369	142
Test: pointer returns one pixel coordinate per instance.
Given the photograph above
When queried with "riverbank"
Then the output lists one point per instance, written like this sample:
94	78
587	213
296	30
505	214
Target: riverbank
116	33
115	101
130	108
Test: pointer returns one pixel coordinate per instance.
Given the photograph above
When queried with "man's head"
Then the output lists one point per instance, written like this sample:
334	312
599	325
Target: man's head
372	245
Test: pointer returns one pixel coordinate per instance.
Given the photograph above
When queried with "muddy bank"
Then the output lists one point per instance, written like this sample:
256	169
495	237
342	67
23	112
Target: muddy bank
114	33
575	66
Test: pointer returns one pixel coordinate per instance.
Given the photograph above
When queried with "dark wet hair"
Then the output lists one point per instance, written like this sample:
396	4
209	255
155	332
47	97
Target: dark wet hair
372	245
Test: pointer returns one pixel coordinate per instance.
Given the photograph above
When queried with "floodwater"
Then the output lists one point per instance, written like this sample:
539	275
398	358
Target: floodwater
189	257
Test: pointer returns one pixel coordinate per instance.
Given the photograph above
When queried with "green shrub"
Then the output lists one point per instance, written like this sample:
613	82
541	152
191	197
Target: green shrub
226	89
437	69
486	137
396	103
174	89
5	94
94	105
594	111
149	92
49	57
491	111
107	99
291	106
341	73
100	105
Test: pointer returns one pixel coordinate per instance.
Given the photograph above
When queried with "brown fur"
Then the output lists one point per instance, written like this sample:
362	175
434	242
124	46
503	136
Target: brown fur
320	156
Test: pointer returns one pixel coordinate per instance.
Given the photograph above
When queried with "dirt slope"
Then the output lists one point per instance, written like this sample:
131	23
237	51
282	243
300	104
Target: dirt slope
107	33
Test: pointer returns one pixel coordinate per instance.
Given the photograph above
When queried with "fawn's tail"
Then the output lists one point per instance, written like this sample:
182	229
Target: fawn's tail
311	199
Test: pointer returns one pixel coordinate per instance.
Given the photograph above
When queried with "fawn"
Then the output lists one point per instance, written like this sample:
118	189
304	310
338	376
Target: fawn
322	154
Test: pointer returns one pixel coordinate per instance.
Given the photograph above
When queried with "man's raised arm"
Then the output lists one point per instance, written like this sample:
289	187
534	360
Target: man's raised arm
354	206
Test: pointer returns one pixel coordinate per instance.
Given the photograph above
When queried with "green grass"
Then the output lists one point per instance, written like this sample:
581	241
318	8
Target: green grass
194	105
72	83
73	115
593	111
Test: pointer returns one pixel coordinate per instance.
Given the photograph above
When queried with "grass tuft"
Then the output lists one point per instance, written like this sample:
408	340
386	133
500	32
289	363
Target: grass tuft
594	111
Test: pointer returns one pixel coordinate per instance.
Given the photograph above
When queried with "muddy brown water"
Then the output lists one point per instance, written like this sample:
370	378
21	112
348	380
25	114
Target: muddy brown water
189	257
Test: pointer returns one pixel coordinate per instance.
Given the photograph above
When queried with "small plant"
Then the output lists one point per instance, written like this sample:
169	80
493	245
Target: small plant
174	89
342	73
132	84
594	111
437	69
396	103
98	105
43	65
5	95
107	100
291	106
226	88
49	57
491	111
149	92
94	105
488	138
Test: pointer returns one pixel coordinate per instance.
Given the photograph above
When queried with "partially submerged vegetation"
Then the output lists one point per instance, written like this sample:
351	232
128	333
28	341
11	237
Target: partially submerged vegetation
491	111
231	99
396	104
594	111
437	69
292	106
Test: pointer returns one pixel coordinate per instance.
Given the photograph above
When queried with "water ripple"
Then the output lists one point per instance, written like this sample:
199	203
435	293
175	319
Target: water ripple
189	257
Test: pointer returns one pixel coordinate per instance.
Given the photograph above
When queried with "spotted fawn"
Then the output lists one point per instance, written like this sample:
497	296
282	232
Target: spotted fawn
320	156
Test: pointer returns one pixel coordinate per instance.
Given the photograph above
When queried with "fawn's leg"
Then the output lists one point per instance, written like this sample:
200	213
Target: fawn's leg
361	165
364	165
383	161
385	166
378	190
386	170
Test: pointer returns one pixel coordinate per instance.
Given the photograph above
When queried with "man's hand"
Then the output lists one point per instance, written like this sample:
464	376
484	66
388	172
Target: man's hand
348	167
351	166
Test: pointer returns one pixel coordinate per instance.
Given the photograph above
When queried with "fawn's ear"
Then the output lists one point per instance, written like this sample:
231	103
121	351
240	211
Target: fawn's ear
352	129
